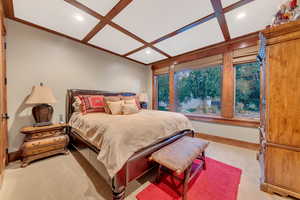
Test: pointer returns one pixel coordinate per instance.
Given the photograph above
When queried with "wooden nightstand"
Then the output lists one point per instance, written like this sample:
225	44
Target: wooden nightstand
41	142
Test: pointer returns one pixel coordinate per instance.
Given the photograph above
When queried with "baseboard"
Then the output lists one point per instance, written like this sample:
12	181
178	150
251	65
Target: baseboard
229	141
14	156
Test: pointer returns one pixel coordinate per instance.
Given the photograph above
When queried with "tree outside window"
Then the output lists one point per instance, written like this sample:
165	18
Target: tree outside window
162	91
198	91
247	92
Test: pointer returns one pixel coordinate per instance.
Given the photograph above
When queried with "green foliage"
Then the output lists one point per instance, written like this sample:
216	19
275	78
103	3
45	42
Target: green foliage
163	88
200	83
247	87
163	108
205	83
191	110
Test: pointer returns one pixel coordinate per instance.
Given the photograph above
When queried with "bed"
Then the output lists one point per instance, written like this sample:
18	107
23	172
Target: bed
136	162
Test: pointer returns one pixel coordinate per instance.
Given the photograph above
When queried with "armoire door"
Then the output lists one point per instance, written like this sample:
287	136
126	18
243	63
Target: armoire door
3	99
283	93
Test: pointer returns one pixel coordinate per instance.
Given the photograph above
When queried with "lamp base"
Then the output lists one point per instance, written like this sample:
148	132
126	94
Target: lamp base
42	114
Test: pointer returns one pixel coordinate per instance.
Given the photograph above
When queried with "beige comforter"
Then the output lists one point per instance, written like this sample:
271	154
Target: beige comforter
119	136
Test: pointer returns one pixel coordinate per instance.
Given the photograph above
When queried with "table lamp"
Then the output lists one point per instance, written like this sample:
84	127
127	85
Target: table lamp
143	98
41	96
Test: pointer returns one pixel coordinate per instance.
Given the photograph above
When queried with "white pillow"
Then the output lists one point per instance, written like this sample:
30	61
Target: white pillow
115	107
130	101
129	109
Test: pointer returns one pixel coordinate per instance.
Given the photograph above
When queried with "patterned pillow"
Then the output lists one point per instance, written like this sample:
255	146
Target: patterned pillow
135	97
110	99
92	103
77	104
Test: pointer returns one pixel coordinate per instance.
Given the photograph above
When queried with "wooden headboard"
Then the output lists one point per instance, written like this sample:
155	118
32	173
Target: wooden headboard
71	93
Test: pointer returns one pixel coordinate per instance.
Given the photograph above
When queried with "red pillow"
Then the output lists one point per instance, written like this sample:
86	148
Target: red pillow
92	103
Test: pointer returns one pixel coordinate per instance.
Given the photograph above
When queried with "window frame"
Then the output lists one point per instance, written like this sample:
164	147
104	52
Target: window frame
201	68
246	118
228	80
155	90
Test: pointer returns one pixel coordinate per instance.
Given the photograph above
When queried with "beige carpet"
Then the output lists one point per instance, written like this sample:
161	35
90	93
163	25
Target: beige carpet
70	178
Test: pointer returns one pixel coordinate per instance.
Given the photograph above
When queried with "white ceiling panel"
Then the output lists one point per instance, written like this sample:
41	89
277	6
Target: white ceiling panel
226	3
147	56
114	40
100	6
197	37
251	17
56	15
151	19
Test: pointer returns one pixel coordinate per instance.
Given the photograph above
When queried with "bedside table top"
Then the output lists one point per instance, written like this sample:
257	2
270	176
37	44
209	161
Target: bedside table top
31	129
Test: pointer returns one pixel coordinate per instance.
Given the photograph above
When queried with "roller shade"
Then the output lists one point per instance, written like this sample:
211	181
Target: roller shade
163	70
245	55
200	63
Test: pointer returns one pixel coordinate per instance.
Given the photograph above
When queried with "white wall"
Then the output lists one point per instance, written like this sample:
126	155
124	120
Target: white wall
35	56
232	132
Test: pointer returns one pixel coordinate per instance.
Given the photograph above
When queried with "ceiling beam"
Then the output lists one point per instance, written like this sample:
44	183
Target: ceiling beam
104	20
108	20
71	38
135	50
236	5
169	35
217	5
110	15
117	9
236	43
221	20
94	31
184	28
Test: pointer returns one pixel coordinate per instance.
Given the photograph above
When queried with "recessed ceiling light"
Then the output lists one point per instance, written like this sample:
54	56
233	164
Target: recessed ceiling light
148	51
78	17
241	15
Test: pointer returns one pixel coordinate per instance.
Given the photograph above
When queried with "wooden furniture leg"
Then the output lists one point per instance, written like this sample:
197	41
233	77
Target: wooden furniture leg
187	174
119	195
204	160
158	174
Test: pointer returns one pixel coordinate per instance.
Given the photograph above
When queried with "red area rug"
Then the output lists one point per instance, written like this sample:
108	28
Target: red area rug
218	182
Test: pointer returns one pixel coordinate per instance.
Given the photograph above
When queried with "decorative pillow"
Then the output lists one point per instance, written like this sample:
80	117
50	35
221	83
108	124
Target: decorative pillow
92	103
77	104
136	98
129	109
130	101
115	107
110	99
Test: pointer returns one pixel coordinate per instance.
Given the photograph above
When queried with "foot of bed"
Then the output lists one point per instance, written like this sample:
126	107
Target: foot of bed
118	195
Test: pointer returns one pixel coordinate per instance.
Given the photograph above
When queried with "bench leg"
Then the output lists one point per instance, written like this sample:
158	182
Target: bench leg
158	174
204	160
187	174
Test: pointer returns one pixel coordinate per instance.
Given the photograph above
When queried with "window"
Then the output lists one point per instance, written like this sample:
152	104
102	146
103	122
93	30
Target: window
162	92
247	91
198	91
219	88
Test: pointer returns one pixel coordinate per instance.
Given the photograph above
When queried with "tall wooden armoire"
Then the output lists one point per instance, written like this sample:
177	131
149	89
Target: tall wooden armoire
280	112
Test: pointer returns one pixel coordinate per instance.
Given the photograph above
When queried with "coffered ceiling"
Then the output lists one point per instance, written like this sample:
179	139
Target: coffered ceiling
146	31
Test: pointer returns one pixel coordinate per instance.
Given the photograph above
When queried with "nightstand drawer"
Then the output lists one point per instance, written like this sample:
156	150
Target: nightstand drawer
39	150
44	145
44	134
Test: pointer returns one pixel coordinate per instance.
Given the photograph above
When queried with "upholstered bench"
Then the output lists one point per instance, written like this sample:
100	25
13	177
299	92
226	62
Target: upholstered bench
179	157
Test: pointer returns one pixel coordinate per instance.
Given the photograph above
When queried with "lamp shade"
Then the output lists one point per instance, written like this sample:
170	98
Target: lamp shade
143	97
41	95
